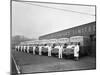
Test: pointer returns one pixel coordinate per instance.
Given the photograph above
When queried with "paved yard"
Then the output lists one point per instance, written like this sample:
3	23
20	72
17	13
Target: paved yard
34	63
13	67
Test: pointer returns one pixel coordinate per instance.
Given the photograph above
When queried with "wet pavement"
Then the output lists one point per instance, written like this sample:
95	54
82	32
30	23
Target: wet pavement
13	68
30	63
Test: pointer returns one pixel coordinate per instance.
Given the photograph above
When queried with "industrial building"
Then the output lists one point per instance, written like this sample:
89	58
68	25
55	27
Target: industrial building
88	30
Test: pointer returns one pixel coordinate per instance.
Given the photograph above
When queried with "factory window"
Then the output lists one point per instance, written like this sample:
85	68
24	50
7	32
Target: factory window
75	31
79	31
89	29
82	30
94	27
67	33
71	32
85	29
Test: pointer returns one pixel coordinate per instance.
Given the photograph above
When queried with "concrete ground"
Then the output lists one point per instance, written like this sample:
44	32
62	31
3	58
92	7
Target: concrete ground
29	63
13	67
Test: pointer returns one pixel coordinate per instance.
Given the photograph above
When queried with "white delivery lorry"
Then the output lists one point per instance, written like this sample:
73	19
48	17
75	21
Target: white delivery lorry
84	42
58	42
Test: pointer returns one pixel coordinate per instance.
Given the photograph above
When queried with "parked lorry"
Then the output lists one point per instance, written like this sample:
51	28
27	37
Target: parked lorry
84	44
60	41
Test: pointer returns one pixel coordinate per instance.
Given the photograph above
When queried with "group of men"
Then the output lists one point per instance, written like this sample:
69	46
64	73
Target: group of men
50	47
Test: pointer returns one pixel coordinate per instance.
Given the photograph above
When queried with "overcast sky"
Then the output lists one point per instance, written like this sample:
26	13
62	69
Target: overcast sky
33	21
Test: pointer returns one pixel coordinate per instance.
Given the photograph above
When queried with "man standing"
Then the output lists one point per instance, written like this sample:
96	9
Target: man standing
16	48
34	49
40	50
27	49
76	52
24	48
49	50
60	51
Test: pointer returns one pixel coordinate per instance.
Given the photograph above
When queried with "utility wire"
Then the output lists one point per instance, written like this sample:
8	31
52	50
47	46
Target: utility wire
58	8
